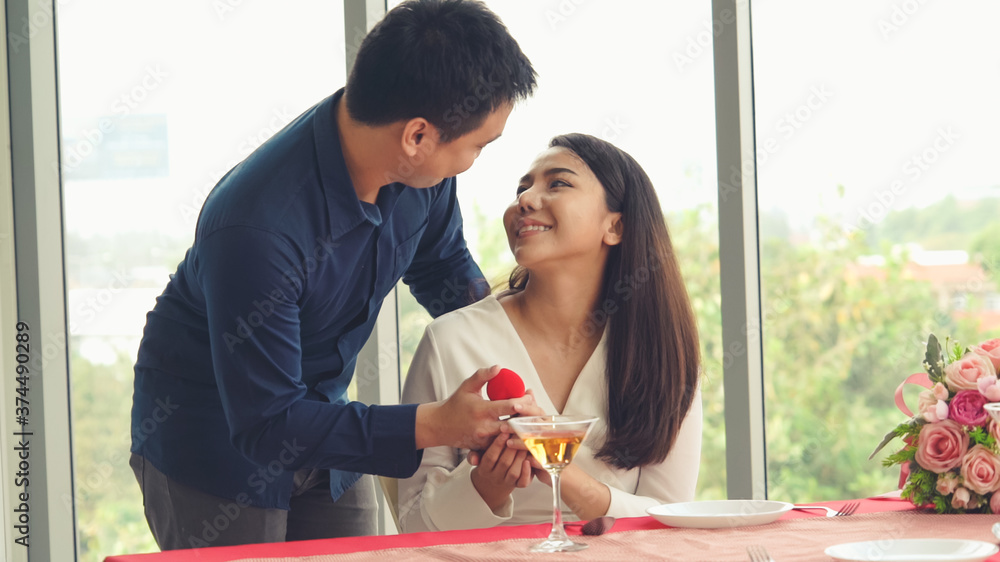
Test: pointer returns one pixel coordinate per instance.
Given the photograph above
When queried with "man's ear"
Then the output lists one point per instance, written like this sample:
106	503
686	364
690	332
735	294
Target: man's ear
419	135
613	235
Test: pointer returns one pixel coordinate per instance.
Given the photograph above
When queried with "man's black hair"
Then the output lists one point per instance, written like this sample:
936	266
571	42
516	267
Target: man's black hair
451	62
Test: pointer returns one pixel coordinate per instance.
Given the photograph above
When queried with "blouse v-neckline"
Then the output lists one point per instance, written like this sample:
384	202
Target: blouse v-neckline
589	377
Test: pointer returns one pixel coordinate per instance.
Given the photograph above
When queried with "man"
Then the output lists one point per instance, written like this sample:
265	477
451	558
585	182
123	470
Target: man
241	427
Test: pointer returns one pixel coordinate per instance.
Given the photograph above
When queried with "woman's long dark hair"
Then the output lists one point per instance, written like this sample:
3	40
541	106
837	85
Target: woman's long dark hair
652	349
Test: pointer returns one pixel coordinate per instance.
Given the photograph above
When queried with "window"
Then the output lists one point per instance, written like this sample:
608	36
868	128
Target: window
875	139
658	107
876	203
158	101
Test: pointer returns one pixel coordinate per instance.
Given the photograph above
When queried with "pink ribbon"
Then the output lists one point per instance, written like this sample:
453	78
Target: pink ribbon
916	378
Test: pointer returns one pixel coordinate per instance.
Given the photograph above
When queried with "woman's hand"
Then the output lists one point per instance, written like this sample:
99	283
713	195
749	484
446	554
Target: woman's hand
500	469
580	492
540	473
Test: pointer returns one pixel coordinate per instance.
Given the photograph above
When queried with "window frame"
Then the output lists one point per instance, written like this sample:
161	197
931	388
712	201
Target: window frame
739	255
34	196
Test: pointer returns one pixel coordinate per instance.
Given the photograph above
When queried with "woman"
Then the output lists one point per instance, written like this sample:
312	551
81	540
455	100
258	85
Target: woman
596	320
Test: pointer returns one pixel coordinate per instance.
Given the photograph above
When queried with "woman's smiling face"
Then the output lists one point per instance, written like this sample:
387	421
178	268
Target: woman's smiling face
560	213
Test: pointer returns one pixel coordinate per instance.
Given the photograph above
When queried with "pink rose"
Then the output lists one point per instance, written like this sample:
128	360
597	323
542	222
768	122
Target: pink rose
940	391
941	445
966	372
932	407
994	429
966	408
995	503
990	349
935	411
981	470
942	410
961	498
946	483
926	401
990	388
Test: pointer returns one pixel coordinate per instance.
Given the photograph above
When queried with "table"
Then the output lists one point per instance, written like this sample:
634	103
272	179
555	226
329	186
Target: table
798	535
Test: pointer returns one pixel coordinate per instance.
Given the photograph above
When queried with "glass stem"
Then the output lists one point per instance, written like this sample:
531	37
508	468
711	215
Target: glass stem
558	533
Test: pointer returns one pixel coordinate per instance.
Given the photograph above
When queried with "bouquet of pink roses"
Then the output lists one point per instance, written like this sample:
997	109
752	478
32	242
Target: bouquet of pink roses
950	459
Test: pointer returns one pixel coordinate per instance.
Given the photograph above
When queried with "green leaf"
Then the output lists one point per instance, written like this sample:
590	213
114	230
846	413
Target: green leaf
982	437
932	359
941	504
909	427
956	352
901	456
885	441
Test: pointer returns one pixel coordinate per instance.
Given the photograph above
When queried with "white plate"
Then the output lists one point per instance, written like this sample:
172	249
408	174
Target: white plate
913	550
718	514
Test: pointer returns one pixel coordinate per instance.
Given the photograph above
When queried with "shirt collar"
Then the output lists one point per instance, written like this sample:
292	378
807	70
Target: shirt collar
345	210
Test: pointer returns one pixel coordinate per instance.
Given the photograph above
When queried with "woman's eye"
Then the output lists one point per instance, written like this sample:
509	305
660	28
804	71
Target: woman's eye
558	183
521	189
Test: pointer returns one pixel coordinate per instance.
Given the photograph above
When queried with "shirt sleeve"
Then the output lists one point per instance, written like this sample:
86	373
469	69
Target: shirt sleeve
253	321
440	495
672	480
443	276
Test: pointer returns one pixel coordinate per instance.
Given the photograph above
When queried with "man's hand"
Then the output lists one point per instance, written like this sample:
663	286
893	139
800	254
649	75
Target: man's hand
514	442
500	471
465	420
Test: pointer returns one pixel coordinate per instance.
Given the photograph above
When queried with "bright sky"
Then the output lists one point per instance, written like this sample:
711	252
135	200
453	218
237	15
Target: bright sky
228	73
901	75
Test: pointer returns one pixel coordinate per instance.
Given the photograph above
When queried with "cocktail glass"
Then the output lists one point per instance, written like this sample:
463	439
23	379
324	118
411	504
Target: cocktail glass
553	440
993	409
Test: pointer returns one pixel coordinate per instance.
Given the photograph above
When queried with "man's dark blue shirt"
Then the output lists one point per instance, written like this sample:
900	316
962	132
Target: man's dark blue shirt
243	369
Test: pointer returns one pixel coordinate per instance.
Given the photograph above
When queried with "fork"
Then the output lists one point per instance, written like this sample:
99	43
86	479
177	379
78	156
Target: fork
758	553
847	509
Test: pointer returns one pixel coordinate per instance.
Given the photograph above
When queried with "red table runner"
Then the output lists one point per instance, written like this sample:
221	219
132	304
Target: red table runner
627	531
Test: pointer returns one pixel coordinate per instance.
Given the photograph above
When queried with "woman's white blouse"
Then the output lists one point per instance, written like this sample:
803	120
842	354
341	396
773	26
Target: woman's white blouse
441	496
